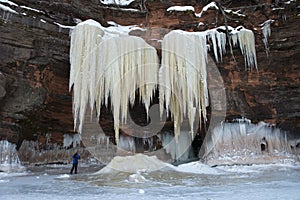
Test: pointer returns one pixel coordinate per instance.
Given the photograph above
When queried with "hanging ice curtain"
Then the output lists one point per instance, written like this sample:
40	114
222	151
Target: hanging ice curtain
109	64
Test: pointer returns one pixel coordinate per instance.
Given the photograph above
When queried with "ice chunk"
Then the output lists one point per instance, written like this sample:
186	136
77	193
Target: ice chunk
141	162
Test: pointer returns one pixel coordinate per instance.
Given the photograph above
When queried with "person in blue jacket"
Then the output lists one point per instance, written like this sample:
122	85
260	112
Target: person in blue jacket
75	159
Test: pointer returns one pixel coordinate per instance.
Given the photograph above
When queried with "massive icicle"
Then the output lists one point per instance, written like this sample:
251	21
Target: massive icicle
109	64
182	77
247	46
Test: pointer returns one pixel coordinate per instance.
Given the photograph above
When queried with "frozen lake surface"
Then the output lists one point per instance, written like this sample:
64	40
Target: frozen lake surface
189	181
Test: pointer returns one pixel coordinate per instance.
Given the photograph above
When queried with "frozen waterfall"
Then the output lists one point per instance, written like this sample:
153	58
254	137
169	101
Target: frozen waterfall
183	73
109	64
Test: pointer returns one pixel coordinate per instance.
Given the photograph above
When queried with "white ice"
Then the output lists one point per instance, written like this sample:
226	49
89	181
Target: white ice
9	159
211	5
235	12
63	26
9	2
6	8
135	164
181	8
266	31
109	63
32	9
241	143
117	2
197	168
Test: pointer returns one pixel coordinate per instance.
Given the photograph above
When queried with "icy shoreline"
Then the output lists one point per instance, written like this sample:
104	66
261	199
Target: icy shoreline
191	181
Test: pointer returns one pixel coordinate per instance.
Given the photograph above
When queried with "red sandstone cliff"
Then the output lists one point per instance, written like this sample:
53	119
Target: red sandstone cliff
34	60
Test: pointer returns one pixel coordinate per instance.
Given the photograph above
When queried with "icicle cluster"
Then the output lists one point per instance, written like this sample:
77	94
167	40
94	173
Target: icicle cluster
71	139
266	31
246	41
218	40
179	151
9	158
182	77
107	65
242	138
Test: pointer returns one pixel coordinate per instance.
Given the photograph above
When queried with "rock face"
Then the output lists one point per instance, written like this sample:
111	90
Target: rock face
34	60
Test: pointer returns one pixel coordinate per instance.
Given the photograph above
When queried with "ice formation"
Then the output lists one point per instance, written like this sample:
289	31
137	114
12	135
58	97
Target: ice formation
197	168
108	66
247	46
246	41
135	164
242	138
34	153
117	2
8	9
181	8
266	31
183	77
32	9
208	6
69	140
218	40
179	151
9	159
235	13
8	2
127	143
211	5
